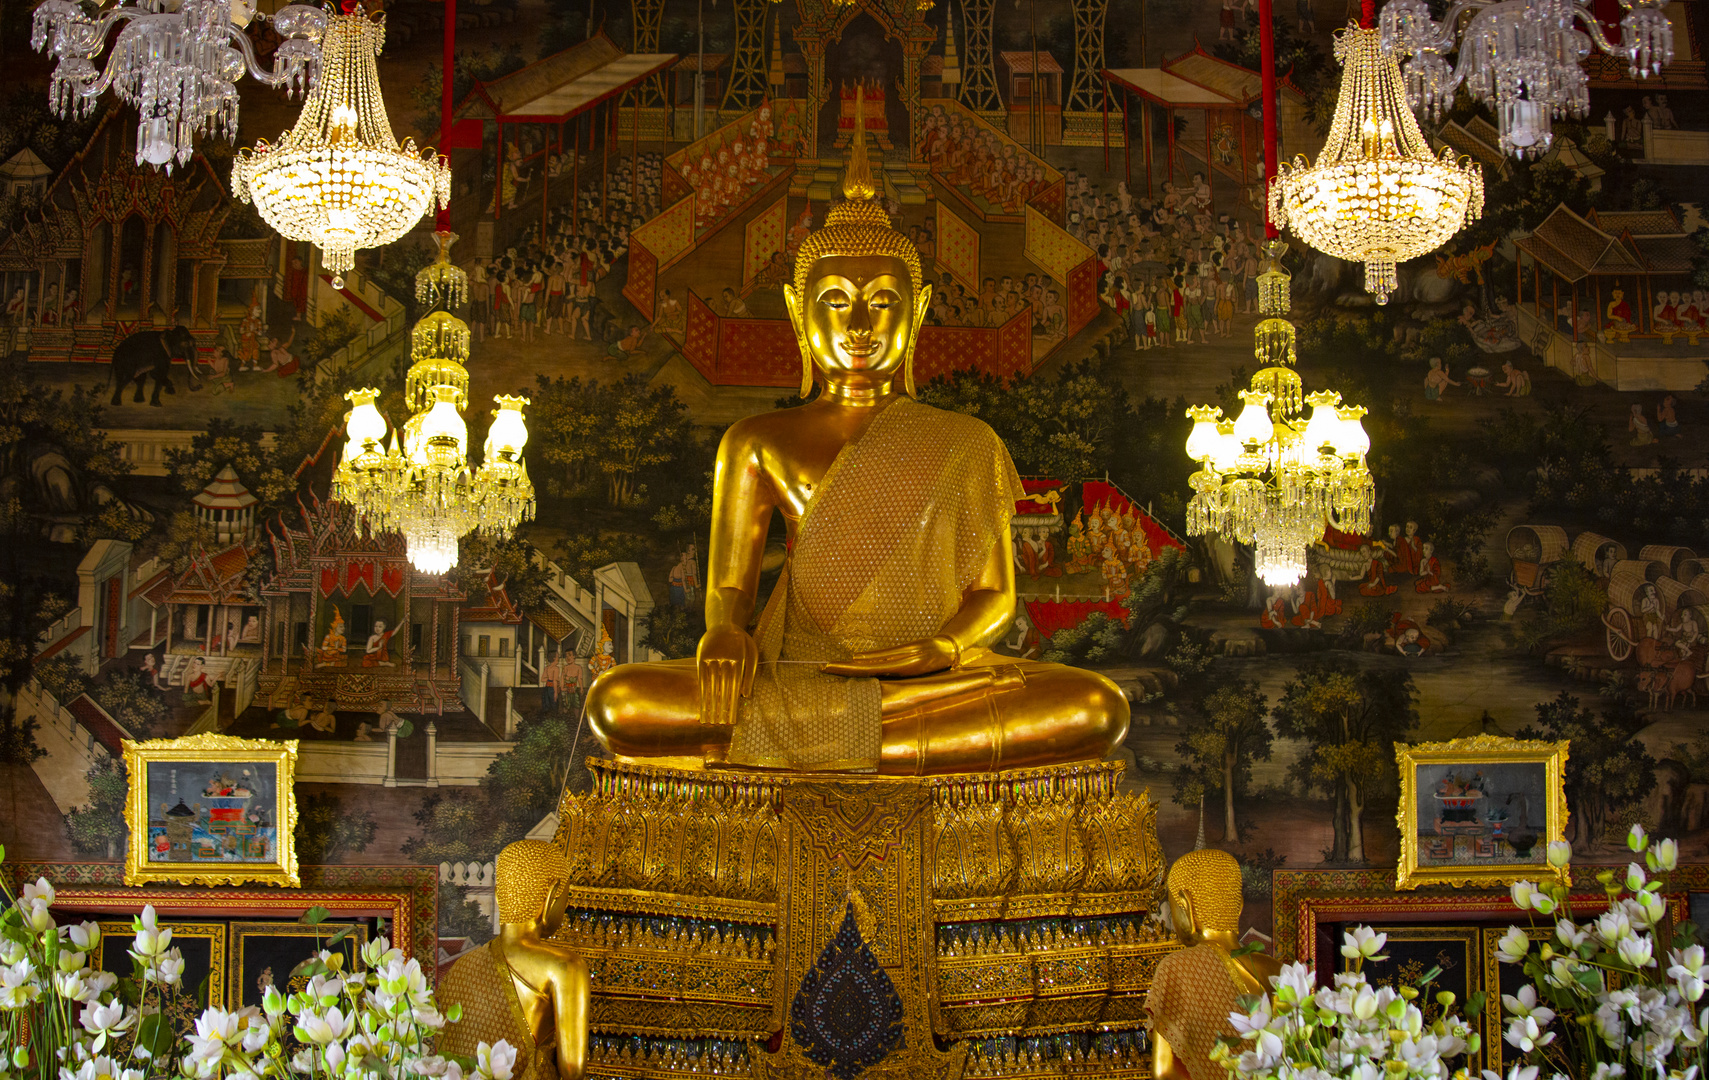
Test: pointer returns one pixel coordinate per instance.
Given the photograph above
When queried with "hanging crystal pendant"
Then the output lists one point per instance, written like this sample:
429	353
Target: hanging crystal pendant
1523	58
177	62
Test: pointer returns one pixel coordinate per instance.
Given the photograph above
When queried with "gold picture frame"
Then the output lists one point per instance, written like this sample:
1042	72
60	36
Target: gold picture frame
1494	806
264	953
1494	1049
234	824
116	939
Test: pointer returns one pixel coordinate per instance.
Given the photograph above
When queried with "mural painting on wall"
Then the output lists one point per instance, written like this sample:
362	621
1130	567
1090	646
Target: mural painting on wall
1089	216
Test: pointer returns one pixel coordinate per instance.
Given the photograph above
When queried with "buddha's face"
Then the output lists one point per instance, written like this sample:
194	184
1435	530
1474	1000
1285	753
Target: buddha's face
858	314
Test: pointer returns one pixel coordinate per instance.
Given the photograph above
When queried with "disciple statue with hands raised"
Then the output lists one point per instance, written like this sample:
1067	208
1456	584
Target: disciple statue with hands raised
872	653
1195	989
522	986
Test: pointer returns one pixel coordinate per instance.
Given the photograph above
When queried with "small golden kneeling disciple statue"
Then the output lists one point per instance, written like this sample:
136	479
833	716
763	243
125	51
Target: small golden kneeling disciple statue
872	653
521	986
1195	989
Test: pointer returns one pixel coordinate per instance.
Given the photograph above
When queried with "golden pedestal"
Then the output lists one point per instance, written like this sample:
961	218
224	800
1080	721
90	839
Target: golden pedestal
780	925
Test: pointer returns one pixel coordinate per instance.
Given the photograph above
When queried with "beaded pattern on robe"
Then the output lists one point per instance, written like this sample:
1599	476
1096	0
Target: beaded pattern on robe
1191	995
481	982
900	526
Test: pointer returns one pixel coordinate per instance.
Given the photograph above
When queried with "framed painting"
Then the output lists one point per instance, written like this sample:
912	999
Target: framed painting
211	810
1499	979
1480	811
202	945
1412	951
264	954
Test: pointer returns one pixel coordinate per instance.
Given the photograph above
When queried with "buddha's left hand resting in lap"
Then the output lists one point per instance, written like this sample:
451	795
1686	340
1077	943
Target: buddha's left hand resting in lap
871	654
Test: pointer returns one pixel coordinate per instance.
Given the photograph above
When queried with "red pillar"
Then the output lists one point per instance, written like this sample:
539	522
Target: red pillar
1127	140
1106	126
1169	120
1210	171
1267	63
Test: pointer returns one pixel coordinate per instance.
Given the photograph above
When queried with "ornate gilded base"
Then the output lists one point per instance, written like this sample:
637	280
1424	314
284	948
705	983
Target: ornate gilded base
802	925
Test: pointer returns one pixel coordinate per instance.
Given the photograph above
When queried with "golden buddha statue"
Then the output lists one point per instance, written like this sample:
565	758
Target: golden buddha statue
522	986
871	654
1195	989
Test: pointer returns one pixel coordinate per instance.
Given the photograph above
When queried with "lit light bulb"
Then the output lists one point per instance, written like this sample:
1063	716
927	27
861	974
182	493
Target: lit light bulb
342	123
1201	443
1325	425
1253	426
509	431
444	433
1351	438
364	427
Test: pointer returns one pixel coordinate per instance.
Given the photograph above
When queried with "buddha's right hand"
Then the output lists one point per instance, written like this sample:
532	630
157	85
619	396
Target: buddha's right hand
725	664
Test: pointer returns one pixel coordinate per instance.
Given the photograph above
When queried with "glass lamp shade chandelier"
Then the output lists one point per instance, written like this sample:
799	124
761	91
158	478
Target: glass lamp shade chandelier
1272	477
422	485
1376	193
1520	57
175	61
338	179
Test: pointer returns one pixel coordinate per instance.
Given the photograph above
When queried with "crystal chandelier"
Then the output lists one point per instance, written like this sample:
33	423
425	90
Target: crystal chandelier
422	484
1272	477
176	62
1376	195
1520	57
339	179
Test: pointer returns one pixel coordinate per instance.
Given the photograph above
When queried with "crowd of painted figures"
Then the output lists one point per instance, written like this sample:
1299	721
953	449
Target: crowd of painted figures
1174	271
976	159
724	177
545	284
1109	540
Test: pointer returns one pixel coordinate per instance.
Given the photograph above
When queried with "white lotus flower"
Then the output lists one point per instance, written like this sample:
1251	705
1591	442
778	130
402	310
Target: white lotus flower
324	1028
1522	891
1362	942
19	986
1525	1003
40	890
1295	983
84	936
168	970
495	1062
1689	971
1636	951
1560	854
36	914
1513	946
1249	1024
99	1019
1663	856
1571	934
1524	1033
1613	925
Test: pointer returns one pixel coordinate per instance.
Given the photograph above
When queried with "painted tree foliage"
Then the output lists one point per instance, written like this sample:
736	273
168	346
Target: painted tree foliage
1349	717
1229	734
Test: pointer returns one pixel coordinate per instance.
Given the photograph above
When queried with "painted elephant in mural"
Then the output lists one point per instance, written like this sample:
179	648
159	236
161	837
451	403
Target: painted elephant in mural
151	352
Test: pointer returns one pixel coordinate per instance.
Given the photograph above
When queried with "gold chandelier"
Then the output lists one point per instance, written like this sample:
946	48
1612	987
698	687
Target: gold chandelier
422	484
339	179
1377	194
1272	477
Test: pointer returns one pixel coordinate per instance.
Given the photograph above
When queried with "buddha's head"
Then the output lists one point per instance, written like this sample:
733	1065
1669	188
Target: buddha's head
530	885
1204	895
857	300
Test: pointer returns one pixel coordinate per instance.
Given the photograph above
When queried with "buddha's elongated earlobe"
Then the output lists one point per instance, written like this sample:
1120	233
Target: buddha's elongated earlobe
797	319
922	304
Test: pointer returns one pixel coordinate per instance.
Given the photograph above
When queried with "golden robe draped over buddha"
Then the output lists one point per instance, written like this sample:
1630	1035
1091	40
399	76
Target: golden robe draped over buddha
885	549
